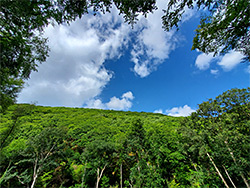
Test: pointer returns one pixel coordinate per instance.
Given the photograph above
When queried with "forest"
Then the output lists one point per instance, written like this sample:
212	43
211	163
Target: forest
79	147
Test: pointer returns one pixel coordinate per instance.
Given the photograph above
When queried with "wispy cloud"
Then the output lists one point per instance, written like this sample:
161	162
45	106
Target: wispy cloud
248	69
159	111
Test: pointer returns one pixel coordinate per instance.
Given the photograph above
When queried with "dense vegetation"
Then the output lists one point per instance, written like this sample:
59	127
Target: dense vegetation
76	147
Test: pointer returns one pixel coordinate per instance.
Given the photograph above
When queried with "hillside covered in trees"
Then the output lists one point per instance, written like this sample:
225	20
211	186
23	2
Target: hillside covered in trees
77	147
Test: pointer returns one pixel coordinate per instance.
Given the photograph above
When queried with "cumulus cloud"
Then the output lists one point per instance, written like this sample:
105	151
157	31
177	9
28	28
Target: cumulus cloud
128	95
153	45
123	103
227	62
180	111
230	60
203	61
74	72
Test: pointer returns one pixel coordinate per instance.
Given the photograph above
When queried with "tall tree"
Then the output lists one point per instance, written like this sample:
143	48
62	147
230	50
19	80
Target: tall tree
220	130
42	150
99	154
224	28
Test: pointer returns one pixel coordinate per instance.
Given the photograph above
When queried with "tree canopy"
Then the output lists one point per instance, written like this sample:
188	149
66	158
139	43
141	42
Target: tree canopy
77	147
219	132
223	27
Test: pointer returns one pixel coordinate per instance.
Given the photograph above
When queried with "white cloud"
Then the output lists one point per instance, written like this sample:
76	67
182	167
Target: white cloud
95	103
153	44
128	95
177	111
189	13
226	62
143	69
214	71
75	73
123	103
230	60
180	111
158	111
203	61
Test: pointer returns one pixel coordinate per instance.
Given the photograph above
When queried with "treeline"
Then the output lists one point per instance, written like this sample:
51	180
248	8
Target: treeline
76	147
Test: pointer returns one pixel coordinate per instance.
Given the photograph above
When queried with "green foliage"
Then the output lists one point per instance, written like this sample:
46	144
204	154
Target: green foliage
7	174
10	128
173	184
46	178
221	127
76	147
225	28
9	88
94	139
105	182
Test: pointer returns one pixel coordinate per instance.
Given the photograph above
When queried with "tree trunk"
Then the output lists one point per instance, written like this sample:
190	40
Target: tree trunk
34	173
229	176
83	176
121	175
35	178
241	174
99	176
38	168
217	170
34	181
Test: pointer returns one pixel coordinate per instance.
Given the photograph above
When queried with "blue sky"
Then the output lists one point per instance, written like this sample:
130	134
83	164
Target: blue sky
101	62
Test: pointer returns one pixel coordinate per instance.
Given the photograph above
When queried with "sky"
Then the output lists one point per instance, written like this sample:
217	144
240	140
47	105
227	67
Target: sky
101	62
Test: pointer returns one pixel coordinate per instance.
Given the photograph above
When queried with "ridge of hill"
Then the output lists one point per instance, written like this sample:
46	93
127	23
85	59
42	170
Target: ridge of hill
83	133
40	117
